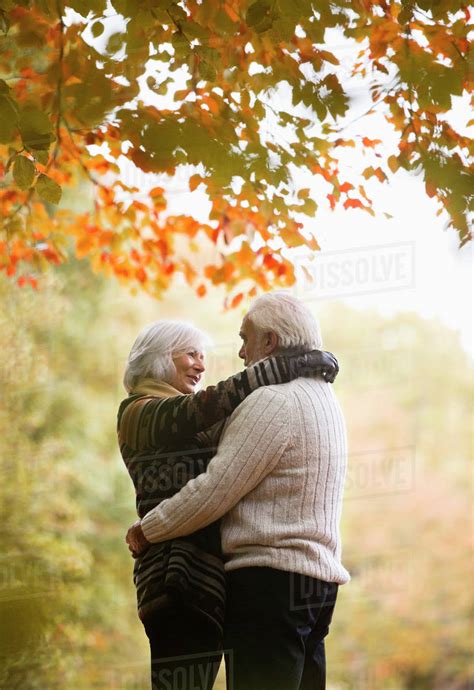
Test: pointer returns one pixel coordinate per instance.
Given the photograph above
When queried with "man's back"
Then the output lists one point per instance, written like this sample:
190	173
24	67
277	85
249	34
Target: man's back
290	520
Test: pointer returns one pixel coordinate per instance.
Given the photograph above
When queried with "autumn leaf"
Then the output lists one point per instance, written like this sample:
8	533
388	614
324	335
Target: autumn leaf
194	182
346	187
371	143
23	172
353	203
48	189
236	300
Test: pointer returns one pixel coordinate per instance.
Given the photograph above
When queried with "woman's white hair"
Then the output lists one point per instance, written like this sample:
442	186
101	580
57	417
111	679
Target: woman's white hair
155	346
296	327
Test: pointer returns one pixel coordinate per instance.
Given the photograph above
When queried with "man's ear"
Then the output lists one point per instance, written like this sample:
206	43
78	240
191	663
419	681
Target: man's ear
270	342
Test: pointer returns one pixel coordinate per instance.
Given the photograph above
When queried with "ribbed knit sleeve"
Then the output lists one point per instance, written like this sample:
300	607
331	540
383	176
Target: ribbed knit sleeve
231	474
149	422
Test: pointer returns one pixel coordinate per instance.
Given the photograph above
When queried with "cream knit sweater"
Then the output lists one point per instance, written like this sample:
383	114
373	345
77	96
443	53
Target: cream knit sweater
277	480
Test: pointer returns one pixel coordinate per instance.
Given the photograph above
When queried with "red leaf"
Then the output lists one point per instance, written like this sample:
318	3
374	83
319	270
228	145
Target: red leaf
332	200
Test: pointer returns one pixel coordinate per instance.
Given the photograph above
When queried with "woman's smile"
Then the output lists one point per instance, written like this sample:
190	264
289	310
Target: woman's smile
189	369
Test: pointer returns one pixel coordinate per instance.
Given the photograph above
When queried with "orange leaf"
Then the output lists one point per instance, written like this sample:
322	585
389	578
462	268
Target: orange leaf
430	189
270	262
237	300
371	142
156	191
346	187
83	246
321	171
353	203
201	290
332	200
211	104
195	181
141	275
231	13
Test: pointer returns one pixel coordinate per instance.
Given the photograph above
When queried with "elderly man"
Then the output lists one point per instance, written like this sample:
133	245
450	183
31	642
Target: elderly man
277	481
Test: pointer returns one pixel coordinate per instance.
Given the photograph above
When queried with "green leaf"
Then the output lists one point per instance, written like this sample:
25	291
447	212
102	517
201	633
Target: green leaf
23	172
97	29
115	43
320	109
309	207
48	189
258	12
177	13
405	15
194	30
35	128
336	101
159	13
282	30
40	156
8	119
96	6
210	55
207	71
180	43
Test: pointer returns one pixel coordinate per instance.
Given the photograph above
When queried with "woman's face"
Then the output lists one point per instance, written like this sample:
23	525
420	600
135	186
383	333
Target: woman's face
189	370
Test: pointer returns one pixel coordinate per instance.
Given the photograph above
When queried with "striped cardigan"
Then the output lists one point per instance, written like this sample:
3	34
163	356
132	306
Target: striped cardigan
164	444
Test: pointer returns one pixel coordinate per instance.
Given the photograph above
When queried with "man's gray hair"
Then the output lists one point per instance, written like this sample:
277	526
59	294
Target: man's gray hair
296	327
155	346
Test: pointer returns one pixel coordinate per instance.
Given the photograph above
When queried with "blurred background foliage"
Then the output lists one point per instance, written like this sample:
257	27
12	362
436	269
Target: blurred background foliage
67	603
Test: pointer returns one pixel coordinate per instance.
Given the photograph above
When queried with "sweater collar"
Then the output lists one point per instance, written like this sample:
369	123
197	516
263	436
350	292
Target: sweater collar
158	389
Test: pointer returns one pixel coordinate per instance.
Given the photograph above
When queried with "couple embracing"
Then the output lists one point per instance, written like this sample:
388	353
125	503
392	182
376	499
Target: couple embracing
239	491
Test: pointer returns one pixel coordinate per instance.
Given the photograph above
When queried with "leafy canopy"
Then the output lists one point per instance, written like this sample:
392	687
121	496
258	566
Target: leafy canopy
236	96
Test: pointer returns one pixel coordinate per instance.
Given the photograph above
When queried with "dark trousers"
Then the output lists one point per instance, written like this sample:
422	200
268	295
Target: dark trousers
275	627
186	649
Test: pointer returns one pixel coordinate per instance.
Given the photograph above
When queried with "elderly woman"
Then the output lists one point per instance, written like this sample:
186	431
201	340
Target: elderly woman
167	434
